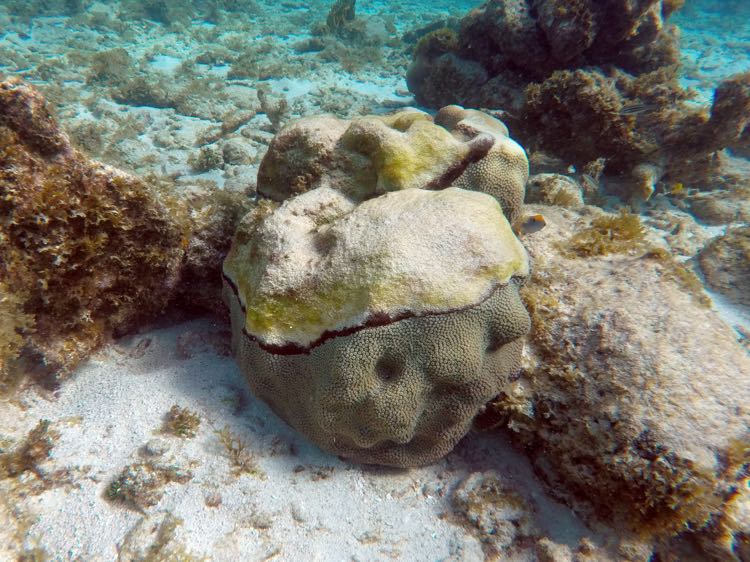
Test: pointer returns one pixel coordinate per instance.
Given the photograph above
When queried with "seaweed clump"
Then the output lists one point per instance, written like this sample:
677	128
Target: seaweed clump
181	422
353	42
342	12
608	234
240	457
172	13
153	539
110	67
436	43
141	485
30	453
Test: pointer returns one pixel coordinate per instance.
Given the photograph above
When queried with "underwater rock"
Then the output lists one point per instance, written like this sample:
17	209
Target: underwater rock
554	189
634	402
374	316
375	154
237	152
89	252
498	513
725	263
720	207
742	146
585	80
449	76
549	551
682	233
730	116
535	40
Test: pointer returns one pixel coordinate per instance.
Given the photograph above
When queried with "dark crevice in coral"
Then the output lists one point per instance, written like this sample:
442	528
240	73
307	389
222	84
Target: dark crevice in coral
478	149
372	321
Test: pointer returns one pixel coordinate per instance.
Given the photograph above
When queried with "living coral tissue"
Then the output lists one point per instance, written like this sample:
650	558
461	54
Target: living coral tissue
334	280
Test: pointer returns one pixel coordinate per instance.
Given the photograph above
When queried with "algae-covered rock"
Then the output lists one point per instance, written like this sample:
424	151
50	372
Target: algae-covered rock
498	513
86	248
635	398
554	189
372	155
725	263
721	207
584	80
88	251
376	310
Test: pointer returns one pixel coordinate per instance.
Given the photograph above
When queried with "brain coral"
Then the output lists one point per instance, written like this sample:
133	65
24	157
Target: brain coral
379	325
376	154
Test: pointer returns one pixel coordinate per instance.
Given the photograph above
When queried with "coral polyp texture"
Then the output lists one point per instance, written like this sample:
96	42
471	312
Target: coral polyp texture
88	251
375	316
584	80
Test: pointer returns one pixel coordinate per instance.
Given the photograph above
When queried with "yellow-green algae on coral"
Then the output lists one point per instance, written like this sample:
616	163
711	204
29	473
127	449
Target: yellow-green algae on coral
299	276
407	149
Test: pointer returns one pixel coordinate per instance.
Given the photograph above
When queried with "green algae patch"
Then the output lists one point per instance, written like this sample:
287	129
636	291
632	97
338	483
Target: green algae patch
610	234
320	264
181	422
407	149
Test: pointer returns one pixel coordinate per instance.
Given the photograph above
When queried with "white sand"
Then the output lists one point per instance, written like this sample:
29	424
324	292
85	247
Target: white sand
311	506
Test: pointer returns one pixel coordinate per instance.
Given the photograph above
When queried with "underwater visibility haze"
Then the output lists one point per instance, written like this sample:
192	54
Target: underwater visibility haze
367	280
